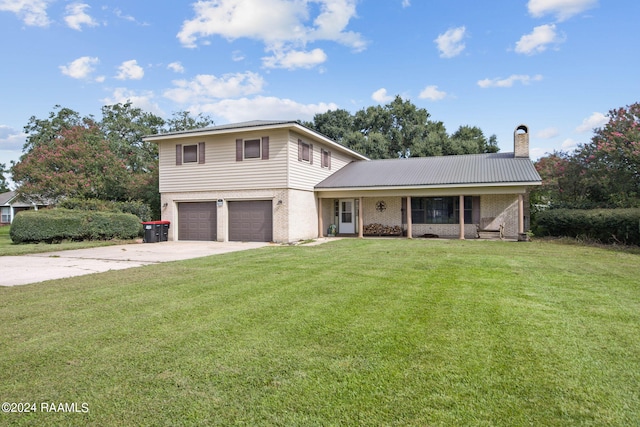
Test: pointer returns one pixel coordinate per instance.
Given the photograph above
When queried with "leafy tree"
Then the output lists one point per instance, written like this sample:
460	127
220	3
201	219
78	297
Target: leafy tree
604	173
46	131
79	164
124	126
183	120
398	129
4	185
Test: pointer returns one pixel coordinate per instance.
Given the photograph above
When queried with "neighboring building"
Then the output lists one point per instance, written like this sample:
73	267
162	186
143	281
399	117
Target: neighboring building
283	182
11	204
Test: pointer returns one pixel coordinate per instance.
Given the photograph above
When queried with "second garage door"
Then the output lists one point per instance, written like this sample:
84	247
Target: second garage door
251	221
197	221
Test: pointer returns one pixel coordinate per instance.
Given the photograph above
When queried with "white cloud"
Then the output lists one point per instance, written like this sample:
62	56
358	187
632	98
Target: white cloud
293	59
237	56
432	93
130	70
176	67
509	81
282	25
569	144
381	96
11	139
77	17
562	9
244	109
547	133
538	40
406	3
595	120
450	42
142	100
205	87
32	12
80	68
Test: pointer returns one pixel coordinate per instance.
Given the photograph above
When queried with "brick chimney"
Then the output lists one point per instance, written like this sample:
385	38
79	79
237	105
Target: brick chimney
521	142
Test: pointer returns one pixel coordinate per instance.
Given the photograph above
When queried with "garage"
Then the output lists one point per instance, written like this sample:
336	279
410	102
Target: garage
251	221
197	221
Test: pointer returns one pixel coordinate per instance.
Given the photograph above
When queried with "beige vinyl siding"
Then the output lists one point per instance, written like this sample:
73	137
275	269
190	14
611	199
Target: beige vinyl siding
305	176
221	171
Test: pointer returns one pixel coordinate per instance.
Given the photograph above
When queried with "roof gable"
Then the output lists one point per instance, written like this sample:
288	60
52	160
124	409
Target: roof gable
474	169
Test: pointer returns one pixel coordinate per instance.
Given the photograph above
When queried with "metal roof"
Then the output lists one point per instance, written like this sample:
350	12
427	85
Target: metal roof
473	169
229	126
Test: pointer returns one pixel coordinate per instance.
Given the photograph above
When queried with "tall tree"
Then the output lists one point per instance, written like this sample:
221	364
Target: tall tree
183	120
46	131
78	163
124	126
4	185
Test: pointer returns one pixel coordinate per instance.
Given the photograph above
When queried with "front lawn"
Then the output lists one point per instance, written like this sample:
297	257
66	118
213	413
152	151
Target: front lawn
8	248
353	332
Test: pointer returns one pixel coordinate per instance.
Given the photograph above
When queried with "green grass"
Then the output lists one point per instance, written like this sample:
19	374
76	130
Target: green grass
354	332
8	248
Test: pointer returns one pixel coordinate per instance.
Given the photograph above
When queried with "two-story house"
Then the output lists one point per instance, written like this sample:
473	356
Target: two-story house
283	182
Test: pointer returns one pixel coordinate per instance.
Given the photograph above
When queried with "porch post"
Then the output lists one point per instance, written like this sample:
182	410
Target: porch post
360	217
320	225
520	214
461	215
409	219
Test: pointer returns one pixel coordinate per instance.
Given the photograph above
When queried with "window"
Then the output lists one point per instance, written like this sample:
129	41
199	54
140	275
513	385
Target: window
254	148
5	213
192	153
305	152
440	210
326	159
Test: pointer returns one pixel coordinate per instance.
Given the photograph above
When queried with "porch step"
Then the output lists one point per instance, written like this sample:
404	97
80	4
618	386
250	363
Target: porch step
490	234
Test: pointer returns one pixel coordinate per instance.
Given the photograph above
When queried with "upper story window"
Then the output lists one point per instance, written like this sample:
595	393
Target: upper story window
192	153
326	158
254	148
305	152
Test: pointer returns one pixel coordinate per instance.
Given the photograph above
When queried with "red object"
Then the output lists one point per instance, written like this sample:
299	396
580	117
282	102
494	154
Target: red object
156	223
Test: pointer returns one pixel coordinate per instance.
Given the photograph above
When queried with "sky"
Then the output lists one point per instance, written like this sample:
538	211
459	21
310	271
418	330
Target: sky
557	66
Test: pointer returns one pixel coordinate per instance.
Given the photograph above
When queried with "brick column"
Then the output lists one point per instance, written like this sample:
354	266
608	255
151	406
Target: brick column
409	219
520	213
461	215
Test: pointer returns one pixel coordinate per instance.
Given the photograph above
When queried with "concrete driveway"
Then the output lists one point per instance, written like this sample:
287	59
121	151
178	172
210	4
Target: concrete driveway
25	269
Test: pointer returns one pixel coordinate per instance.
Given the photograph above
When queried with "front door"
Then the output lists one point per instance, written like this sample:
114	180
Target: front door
347	217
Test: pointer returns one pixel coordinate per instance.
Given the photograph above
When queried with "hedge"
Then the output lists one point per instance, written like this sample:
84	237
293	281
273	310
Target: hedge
604	225
138	208
55	225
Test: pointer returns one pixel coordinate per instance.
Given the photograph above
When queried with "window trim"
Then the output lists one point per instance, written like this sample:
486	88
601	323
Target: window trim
5	211
241	149
258	155
190	157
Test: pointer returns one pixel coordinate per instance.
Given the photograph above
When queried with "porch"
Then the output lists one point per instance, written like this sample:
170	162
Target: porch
431	215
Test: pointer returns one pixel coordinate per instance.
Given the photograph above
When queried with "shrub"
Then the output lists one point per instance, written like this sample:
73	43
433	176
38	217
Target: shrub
604	225
55	225
135	207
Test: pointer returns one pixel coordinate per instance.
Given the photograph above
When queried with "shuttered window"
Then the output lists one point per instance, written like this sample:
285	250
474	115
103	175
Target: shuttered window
326	159
252	149
305	152
190	153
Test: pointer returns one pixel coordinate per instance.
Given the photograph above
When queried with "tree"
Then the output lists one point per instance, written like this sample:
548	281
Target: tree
4	185
124	126
183	120
78	162
604	173
399	129
46	131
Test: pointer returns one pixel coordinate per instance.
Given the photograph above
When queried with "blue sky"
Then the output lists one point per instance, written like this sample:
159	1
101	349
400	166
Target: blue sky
557	66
